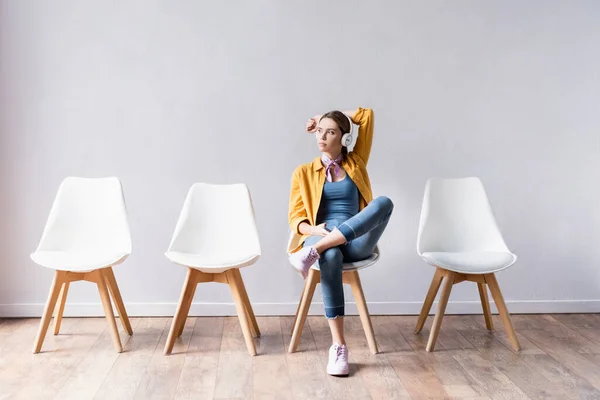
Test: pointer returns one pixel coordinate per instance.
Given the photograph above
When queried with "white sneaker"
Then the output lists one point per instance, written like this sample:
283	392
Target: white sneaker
338	360
303	259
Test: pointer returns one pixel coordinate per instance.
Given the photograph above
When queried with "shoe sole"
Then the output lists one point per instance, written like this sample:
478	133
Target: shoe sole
300	271
340	374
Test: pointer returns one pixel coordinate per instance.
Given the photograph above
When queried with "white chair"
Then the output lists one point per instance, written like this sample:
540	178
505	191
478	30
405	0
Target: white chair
86	234
215	236
349	276
459	236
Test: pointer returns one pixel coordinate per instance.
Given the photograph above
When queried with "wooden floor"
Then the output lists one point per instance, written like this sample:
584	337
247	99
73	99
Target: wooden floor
560	359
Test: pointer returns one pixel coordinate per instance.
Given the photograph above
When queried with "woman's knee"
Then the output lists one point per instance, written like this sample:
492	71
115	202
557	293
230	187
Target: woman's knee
331	263
332	257
384	202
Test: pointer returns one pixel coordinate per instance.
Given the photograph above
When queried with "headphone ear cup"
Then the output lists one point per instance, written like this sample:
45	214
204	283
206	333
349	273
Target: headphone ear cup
347	139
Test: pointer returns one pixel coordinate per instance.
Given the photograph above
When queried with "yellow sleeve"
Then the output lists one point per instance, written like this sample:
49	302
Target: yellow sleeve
297	212
365	120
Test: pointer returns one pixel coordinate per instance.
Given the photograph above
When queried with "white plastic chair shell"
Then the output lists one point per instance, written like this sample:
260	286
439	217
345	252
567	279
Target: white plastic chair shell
457	229
216	230
87	228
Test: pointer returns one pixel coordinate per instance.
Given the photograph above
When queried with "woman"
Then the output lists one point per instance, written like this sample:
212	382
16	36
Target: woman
332	207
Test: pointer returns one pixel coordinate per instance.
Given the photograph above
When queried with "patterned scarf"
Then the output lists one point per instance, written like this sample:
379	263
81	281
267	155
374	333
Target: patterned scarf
331	164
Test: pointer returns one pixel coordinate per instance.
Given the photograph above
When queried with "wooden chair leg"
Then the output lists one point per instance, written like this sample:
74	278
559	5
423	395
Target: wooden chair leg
363	311
108	310
185	300
437	321
241	311
485	304
61	307
48	309
187	305
312	280
490	279
115	293
431	293
247	305
185	313
304	290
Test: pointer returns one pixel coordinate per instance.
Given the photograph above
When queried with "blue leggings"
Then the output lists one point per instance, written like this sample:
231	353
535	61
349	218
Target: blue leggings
362	232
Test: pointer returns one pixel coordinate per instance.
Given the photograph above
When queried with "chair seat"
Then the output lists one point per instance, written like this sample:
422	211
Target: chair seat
77	261
475	262
355	265
211	264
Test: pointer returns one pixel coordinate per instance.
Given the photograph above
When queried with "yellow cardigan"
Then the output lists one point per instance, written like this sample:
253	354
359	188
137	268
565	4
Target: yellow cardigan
308	179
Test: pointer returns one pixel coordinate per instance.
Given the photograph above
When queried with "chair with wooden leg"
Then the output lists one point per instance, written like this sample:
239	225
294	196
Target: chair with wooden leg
459	236
215	236
86	234
351	277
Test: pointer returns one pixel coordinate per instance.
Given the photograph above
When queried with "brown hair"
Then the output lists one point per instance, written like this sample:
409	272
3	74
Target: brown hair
342	122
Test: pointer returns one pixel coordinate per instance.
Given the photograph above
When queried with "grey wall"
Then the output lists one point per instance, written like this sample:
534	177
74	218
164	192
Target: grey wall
163	94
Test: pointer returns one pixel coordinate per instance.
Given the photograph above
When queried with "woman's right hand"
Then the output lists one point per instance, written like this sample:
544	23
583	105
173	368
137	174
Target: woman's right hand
311	124
319	230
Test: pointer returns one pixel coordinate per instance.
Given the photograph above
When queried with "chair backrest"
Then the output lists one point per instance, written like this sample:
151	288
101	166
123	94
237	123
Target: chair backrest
456	216
217	219
88	214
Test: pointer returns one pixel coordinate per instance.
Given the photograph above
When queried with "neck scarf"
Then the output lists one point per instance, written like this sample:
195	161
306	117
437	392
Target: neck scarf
331	165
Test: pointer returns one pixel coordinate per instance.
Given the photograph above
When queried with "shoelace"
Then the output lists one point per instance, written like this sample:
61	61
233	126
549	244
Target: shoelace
312	256
342	353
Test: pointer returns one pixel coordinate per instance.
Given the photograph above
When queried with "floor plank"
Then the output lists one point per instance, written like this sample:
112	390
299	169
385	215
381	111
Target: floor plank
16	357
127	371
405	326
454	379
571	383
564	352
234	372
376	371
575	340
199	372
419	381
353	386
464	322
307	375
86	378
388	336
452	341
496	384
531	382
161	377
269	369
584	325
50	369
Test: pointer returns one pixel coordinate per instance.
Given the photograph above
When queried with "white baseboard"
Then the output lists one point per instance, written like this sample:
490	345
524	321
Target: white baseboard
375	308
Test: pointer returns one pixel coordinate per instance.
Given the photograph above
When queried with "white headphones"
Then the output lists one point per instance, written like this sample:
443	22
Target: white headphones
348	138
